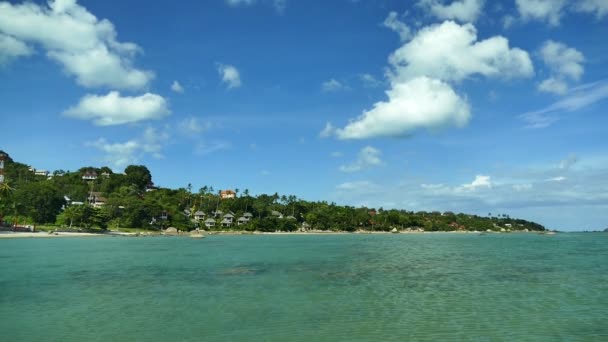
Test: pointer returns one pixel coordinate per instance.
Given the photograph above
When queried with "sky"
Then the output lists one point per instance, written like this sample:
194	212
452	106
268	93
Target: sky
468	106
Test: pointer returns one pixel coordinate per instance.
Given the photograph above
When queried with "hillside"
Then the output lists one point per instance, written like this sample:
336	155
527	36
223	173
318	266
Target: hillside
94	197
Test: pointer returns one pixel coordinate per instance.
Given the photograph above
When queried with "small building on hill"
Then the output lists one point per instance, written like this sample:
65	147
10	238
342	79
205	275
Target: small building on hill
96	199
229	217
209	223
227	194
199	215
89	175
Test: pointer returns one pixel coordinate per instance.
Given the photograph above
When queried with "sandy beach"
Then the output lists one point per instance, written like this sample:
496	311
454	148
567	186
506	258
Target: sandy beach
16	235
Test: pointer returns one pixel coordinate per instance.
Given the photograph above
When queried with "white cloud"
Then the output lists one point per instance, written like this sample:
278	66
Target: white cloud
337	154
480	182
420	103
392	22
177	87
368	157
332	85
553	85
327	131
193	126
565	64
420	96
577	98
11	48
369	81
599	7
550	11
451	52
462	10
85	46
121	154
556	179
230	76
118	155
522	191
114	109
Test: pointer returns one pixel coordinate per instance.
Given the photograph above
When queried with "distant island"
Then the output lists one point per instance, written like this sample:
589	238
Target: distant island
97	198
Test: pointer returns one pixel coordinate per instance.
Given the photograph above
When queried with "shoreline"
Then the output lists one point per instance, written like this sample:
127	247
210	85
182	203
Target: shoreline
18	235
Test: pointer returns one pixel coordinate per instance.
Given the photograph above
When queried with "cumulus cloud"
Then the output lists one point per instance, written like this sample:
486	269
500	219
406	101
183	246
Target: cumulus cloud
451	52
85	46
480	182
121	154
11	48
177	87
393	23
420	95
230	76
462	10
332	85
565	64
114	109
550	11
368	157
419	103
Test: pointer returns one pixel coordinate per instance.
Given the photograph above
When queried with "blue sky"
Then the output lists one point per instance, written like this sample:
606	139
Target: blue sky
471	105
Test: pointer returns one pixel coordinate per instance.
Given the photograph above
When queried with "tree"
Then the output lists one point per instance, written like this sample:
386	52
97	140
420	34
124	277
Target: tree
138	175
41	201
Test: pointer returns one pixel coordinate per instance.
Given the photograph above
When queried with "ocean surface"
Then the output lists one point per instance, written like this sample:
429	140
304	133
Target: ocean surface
405	287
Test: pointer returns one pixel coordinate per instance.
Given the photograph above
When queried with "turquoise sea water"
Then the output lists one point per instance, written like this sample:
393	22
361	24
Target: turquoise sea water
518	287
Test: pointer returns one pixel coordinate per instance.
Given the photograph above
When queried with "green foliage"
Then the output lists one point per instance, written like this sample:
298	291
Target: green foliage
41	201
138	175
129	205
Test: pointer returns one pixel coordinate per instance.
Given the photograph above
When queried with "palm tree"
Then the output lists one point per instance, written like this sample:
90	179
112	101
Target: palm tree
246	194
5	192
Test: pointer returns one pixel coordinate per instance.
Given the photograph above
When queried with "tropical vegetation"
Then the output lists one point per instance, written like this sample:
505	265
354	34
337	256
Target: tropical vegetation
63	199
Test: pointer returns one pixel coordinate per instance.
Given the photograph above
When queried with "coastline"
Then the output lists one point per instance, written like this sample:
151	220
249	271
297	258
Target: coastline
18	235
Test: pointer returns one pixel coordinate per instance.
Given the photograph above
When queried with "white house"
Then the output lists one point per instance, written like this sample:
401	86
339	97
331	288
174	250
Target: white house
209	223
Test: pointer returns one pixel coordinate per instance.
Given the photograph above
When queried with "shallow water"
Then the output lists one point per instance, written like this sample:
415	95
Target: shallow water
303	288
